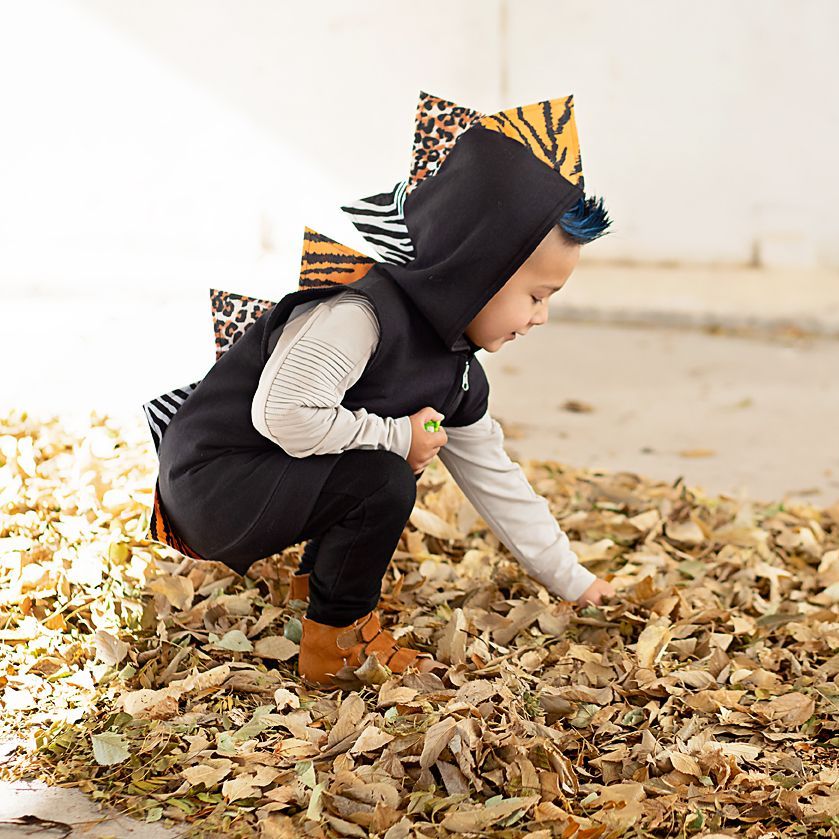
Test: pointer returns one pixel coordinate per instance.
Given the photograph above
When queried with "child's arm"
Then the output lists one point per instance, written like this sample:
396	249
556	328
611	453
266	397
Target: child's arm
516	513
318	357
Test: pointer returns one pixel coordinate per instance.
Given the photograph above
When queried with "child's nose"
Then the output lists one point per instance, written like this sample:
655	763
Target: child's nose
540	318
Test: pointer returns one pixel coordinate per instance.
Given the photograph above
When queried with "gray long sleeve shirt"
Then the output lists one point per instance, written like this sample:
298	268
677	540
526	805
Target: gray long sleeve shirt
320	353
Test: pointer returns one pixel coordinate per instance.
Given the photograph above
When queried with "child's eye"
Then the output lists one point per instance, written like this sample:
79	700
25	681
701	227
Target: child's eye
535	299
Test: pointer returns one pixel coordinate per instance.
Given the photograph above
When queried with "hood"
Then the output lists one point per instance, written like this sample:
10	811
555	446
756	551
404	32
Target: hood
482	193
473	224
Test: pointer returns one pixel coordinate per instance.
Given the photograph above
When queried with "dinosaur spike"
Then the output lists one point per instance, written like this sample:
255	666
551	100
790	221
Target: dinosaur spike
159	411
327	262
232	315
381	221
548	129
438	125
380	218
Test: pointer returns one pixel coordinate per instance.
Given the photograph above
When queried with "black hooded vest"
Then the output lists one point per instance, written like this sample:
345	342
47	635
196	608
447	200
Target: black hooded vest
409	369
473	224
211	442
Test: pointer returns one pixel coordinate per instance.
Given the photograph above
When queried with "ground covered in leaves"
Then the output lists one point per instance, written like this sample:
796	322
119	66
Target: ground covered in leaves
702	700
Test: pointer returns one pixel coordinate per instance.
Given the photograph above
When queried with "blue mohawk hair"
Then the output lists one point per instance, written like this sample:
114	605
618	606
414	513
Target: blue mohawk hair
586	221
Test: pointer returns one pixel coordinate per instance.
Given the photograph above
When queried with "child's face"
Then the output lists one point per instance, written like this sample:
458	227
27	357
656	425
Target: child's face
522	302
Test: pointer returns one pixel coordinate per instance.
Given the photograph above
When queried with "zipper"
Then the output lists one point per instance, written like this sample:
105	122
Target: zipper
456	394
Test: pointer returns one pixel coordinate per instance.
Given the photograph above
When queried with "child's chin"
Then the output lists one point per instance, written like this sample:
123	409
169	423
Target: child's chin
494	345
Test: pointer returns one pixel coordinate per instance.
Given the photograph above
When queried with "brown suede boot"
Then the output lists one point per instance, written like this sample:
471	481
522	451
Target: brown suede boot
299	587
325	649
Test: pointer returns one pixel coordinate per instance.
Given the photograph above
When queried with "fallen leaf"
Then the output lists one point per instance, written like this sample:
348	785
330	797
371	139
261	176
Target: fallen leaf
695	453
433	525
276	647
451	647
436	739
179	591
652	642
109	648
109	748
209	772
235	640
371	740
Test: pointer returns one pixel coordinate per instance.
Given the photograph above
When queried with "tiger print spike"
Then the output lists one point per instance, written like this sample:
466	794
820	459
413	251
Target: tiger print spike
548	129
438	125
327	262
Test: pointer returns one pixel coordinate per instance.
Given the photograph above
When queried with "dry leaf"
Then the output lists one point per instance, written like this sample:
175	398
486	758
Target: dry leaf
209	772
697	453
436	739
688	532
652	641
241	786
276	647
235	640
790	710
109	748
371	740
714	669
433	525
473	821
178	591
451	647
109	648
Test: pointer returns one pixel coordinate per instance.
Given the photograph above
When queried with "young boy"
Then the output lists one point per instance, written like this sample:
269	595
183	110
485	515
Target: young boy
314	425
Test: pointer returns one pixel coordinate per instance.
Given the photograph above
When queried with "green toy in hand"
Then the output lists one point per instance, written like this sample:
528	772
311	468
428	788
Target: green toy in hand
431	425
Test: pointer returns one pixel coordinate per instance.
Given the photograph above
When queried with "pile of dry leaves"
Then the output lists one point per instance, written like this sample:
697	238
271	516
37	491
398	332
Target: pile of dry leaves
701	700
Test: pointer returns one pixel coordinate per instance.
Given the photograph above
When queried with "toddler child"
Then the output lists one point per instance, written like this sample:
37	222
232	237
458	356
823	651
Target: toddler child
314	426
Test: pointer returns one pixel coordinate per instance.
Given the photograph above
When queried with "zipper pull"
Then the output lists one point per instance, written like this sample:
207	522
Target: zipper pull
465	383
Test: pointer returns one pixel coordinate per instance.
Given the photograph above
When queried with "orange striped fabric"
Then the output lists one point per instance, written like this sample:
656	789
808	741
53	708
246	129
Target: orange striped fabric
160	529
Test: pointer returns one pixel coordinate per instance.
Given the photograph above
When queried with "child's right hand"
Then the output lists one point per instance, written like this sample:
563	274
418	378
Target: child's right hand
425	444
596	592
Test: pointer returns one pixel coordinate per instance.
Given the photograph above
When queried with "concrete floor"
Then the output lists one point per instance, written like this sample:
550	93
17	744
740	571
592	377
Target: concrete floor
33	809
730	414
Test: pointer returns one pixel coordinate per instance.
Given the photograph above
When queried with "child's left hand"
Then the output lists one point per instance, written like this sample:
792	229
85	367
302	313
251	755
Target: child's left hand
597	590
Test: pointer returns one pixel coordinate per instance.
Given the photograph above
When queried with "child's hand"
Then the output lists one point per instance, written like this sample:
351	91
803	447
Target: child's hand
425	444
597	590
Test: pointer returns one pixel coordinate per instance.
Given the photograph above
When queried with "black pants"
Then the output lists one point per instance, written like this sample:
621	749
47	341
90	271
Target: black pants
353	533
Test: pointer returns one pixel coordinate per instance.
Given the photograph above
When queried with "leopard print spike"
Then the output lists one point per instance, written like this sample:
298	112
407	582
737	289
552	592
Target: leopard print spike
438	125
232	315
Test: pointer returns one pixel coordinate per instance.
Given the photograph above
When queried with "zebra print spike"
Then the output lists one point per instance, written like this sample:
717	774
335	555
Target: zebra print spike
381	221
381	218
159	411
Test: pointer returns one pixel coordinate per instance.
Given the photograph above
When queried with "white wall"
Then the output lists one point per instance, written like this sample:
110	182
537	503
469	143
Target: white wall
175	144
711	127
